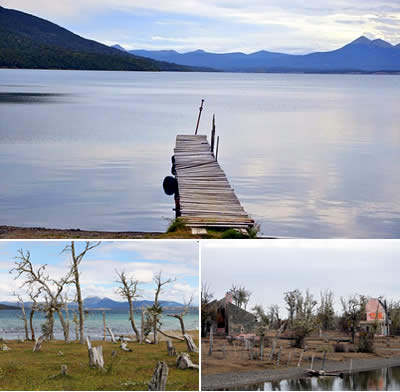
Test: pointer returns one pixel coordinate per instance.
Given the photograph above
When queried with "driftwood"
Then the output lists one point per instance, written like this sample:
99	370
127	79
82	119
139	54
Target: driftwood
190	344
159	380
96	359
5	348
125	347
38	344
148	341
184	362
170	336
171	348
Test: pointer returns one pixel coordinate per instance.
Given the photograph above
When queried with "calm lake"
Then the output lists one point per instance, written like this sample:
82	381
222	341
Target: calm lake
308	155
11	326
386	379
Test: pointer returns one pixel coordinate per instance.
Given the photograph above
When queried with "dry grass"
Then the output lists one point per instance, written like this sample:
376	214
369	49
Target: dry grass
21	369
236	357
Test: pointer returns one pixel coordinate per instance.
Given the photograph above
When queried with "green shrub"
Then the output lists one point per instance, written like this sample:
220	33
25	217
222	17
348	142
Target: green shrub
177	224
232	234
366	342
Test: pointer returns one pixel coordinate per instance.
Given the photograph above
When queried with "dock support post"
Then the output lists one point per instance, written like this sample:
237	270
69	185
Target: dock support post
216	153
213	135
198	118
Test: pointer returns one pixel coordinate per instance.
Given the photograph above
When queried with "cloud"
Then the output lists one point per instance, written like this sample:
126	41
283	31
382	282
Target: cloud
280	24
98	271
344	266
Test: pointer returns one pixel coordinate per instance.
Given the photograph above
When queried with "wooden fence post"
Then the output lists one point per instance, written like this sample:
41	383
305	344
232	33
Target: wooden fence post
210	349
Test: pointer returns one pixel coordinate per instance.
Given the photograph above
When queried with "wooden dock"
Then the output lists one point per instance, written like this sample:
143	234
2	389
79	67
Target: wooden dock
205	197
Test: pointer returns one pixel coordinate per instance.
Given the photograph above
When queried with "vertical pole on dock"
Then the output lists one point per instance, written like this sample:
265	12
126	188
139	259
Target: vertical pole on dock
198	118
216	153
312	362
351	366
213	135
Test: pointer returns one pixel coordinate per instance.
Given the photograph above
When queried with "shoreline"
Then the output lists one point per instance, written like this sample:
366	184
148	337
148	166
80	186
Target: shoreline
235	379
16	232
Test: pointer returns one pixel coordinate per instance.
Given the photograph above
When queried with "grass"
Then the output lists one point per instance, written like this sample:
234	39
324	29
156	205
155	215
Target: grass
21	369
178	230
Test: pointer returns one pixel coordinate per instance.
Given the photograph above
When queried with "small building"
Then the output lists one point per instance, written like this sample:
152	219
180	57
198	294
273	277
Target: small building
228	319
375	318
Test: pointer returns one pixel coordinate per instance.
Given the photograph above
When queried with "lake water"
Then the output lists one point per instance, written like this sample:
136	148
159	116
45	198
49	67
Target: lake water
11	326
308	155
386	379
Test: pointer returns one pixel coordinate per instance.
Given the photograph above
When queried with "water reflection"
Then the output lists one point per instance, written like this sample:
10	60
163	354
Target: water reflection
308	155
29	97
386	379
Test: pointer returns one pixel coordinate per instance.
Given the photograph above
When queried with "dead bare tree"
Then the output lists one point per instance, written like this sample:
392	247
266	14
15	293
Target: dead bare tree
21	301
75	275
240	295
39	279
156	309
35	306
129	291
182	314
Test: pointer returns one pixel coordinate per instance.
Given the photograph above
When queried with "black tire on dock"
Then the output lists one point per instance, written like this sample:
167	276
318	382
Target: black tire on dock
170	185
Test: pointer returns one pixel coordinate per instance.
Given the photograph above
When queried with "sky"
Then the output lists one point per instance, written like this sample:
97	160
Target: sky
290	26
270	268
142	259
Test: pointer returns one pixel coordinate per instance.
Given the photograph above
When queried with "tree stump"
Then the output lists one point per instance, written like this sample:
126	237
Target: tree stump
171	348
38	344
96	359
184	362
64	370
159	380
190	344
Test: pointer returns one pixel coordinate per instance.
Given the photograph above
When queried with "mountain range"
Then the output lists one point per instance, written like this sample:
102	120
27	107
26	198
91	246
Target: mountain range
360	55
93	303
27	41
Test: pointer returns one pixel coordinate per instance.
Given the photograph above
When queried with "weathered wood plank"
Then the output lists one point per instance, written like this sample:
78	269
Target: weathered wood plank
205	195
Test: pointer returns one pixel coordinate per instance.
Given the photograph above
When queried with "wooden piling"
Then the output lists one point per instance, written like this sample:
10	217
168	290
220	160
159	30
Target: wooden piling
213	135
198	118
300	359
323	361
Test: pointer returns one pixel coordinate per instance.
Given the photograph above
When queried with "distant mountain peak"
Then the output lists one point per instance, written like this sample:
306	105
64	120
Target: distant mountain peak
363	40
381	43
